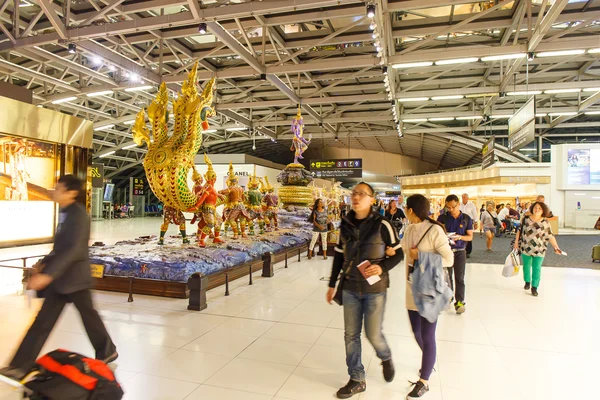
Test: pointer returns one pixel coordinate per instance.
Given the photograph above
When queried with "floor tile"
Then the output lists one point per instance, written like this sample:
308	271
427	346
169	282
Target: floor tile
276	351
253	376
294	333
206	392
264	313
149	387
310	383
222	341
187	365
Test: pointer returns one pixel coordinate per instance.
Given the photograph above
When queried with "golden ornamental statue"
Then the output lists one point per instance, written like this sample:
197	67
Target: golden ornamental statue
170	158
295	178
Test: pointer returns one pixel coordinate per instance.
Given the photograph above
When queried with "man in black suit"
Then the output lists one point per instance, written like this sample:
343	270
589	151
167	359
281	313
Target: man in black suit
63	277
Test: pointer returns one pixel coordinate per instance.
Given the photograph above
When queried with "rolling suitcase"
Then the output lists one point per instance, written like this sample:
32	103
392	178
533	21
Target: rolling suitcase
64	375
596	253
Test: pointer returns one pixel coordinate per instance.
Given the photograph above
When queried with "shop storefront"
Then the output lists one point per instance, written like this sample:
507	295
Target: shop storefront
36	147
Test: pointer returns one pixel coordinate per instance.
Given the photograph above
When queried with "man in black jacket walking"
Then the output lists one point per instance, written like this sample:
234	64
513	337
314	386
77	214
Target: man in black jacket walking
63	277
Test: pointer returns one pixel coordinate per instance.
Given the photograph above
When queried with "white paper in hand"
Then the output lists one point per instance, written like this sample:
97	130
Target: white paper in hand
371	279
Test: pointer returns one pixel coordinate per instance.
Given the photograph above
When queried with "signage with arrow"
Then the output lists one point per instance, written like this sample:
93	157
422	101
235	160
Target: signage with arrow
333	168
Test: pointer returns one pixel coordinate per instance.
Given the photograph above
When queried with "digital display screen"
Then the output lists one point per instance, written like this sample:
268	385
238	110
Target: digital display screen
108	192
583	167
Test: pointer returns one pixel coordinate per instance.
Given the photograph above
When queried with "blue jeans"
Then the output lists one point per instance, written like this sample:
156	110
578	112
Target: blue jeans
370	306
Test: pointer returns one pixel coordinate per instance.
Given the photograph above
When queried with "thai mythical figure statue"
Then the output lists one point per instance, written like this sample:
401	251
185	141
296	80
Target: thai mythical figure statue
235	211
299	143
172	216
254	204
271	205
209	221
170	157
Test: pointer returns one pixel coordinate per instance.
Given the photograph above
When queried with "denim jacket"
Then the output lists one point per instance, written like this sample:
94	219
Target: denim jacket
430	289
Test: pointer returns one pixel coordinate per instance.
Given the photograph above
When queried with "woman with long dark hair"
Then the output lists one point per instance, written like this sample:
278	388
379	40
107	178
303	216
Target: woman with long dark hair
426	235
532	239
364	238
320	220
395	215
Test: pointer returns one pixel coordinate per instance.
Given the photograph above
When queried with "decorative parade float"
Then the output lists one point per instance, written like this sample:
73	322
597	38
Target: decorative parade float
163	266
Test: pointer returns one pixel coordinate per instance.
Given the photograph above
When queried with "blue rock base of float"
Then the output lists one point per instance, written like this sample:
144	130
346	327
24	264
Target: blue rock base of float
175	261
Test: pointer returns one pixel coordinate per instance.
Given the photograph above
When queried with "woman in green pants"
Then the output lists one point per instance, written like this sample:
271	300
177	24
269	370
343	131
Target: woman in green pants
532	239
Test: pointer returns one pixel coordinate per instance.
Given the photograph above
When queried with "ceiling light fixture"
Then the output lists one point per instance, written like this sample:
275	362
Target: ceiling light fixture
541	115
202	28
596	50
476	95
560	53
134	77
442	119
65	100
413	65
138	88
101	93
110	153
562	114
457	61
503	57
592	113
595	89
554	91
371	10
130	122
411	99
72	48
239	128
373	25
112	68
452	97
469	117
209	131
104	127
130	147
414	120
530	93
96	60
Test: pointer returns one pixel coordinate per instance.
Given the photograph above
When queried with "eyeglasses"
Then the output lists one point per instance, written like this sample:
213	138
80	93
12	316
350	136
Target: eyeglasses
361	194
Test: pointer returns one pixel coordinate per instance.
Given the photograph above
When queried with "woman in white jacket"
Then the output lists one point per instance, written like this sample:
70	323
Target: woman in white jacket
423	234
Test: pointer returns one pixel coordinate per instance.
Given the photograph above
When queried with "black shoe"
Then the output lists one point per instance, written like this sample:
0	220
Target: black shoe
12	373
111	358
527	286
534	292
418	391
468	256
388	370
351	388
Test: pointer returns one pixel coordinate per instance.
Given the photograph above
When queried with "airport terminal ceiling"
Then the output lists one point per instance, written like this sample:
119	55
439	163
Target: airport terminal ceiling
428	79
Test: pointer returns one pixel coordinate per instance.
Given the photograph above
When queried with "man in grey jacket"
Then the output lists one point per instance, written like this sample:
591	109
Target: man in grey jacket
63	277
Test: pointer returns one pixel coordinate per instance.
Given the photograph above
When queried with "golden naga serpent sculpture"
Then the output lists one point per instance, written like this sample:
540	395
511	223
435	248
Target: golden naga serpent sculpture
170	157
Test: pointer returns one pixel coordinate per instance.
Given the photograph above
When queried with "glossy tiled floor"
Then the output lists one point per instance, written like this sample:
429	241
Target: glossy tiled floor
278	339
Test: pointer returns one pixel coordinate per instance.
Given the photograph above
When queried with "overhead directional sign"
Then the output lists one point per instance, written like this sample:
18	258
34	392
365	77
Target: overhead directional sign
521	126
488	154
332	168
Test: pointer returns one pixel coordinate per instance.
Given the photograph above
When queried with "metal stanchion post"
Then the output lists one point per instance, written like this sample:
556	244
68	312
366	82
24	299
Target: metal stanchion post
250	268
286	255
130	299
226	284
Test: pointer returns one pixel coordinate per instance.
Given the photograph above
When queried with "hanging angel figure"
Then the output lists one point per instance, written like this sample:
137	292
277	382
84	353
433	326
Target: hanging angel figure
299	143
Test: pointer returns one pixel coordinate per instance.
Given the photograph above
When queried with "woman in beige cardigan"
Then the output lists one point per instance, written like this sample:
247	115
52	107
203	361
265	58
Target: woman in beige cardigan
423	234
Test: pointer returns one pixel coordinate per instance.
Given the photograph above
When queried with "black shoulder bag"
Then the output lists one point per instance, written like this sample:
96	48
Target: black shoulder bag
496	222
337	297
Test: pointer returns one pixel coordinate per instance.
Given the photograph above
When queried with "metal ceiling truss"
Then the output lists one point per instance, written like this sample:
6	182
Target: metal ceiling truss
271	57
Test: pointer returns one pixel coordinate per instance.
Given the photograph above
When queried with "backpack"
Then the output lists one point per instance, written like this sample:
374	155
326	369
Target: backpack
64	375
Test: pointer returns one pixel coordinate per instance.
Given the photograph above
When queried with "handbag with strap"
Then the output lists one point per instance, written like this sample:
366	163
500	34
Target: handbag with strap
496	222
411	268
